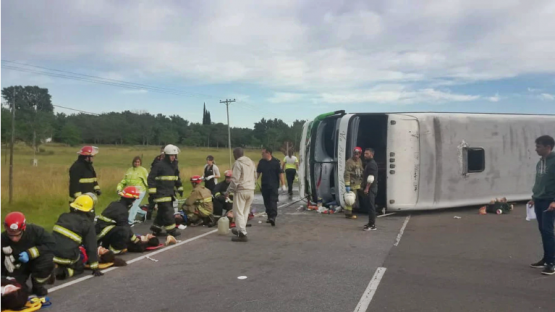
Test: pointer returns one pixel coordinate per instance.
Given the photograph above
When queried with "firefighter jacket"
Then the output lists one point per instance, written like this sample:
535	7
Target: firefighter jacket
220	188
82	178
35	241
353	173
116	214
135	176
72	230
164	181
200	201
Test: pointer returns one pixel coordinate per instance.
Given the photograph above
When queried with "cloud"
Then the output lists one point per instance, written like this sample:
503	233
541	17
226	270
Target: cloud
296	46
395	94
546	97
494	98
139	91
532	90
285	97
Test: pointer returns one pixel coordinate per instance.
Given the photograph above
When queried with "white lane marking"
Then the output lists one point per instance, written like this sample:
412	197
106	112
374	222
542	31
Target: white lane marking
84	278
402	230
385	215
284	205
370	290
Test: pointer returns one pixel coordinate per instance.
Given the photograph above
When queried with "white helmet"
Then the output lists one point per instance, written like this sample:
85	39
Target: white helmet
350	198
171	150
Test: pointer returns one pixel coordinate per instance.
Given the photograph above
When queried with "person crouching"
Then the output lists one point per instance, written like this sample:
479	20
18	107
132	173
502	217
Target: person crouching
198	206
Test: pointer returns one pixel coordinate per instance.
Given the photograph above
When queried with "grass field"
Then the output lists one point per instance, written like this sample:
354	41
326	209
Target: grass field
41	193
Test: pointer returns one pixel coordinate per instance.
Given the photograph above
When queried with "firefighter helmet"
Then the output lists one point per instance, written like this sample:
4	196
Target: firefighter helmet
196	179
171	149
350	198
130	192
83	203
88	151
15	221
358	150
228	173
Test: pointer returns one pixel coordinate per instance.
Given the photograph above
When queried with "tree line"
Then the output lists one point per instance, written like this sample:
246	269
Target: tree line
36	122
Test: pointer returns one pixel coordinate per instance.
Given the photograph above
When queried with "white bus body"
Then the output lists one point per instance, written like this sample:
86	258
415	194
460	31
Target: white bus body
426	160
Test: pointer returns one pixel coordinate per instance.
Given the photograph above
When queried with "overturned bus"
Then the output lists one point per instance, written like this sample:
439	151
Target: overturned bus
425	160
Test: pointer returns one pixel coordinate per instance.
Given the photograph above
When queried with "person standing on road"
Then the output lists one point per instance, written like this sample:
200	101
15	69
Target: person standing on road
543	199
353	180
163	182
290	166
272	174
242	185
82	177
151	202
135	176
370	184
211	173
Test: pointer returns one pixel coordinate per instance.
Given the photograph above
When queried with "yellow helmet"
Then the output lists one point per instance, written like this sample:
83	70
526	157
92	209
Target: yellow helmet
83	203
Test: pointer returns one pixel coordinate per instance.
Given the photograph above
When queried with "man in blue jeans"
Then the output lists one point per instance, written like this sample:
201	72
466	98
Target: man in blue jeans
543	199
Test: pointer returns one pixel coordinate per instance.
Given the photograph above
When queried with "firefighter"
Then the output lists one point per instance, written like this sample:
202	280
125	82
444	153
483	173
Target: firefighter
163	181
353	181
221	202
82	177
113	230
151	203
27	250
72	230
198	205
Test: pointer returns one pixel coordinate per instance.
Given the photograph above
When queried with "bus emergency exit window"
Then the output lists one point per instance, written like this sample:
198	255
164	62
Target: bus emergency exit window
476	160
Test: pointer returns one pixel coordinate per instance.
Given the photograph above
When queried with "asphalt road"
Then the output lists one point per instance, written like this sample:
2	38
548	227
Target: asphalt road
314	262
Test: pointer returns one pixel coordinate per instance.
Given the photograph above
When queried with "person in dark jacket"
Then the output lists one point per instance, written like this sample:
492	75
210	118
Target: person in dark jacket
270	169
82	177
370	186
151	202
27	250
163	182
543	200
113	231
222	203
72	230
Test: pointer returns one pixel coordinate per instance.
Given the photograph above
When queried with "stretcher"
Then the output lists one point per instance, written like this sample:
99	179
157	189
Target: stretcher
154	247
101	266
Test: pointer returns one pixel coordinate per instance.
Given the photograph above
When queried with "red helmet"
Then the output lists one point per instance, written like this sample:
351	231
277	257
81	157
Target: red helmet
228	173
358	150
130	192
15	221
88	151
196	179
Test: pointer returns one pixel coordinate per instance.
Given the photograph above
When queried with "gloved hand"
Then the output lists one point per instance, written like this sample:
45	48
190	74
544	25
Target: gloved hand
97	272
117	191
208	178
347	189
180	193
284	188
24	257
98	192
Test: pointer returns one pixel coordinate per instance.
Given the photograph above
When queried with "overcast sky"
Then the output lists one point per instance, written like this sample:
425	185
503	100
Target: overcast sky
291	59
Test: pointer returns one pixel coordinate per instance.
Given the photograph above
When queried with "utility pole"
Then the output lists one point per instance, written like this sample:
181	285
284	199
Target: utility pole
11	147
227	101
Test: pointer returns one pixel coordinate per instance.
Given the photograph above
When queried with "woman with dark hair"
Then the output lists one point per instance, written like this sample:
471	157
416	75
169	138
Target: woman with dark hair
211	173
14	296
135	176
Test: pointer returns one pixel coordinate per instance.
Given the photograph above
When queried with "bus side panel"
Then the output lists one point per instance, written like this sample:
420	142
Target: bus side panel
342	138
403	163
303	160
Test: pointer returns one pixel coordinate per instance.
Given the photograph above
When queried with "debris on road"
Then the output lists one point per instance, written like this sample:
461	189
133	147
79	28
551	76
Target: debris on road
457	217
497	206
242	277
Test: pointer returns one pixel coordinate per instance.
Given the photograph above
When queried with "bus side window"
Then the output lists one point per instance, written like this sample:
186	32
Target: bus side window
475	159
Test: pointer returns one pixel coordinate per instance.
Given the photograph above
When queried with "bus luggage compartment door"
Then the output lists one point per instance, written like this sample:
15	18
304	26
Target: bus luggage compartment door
403	162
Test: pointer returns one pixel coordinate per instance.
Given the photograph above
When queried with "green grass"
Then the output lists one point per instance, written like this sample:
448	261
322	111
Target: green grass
41	193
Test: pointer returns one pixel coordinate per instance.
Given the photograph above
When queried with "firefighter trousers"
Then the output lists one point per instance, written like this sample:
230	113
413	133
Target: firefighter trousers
220	205
40	270
164	218
67	270
116	239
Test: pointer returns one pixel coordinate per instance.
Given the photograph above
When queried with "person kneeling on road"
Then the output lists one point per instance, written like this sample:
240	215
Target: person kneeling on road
198	206
27	250
221	202
72	230
113	230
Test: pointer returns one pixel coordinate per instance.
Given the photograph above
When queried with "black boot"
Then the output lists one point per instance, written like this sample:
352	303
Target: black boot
39	289
174	233
155	230
241	238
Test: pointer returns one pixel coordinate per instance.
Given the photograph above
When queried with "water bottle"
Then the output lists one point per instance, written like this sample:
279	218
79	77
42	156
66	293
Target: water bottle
223	226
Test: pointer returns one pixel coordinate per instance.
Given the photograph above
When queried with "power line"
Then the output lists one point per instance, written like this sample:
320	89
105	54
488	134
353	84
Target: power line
77	110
